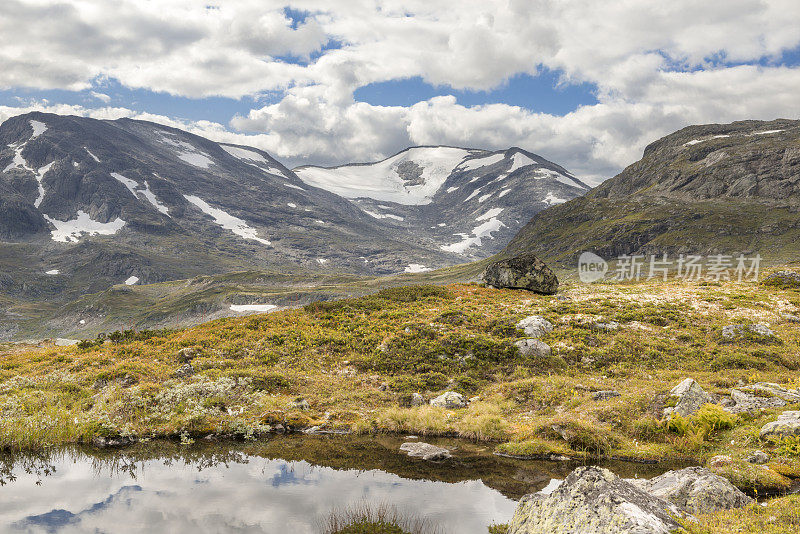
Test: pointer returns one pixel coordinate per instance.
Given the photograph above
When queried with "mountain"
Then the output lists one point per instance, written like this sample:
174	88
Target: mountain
89	205
707	189
465	201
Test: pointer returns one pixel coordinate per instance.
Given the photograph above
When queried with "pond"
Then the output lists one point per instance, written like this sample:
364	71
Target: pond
287	484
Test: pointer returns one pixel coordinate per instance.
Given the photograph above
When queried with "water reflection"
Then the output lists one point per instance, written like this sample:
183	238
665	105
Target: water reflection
286	485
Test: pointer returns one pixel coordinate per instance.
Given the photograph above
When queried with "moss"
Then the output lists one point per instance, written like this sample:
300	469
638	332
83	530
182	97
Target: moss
776	516
754	479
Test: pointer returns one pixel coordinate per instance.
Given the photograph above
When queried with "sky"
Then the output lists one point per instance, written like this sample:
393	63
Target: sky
586	84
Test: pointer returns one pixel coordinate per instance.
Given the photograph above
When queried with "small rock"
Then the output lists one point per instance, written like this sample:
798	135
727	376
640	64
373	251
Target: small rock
787	424
185	371
604	395
696	490
299	404
188	354
535	326
279	428
788	317
719	460
594	500
450	400
417	399
758	457
609	326
533	348
476	398
689	397
426	451
522	272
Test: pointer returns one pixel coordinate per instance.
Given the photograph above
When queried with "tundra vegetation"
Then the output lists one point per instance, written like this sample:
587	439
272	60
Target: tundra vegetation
355	364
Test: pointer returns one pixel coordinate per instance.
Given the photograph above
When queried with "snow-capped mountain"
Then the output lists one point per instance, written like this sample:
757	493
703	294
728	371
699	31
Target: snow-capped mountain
466	201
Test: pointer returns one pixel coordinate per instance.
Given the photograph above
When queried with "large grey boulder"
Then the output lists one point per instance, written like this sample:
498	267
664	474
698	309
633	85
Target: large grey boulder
450	400
525	271
742	402
535	326
695	490
688	397
787	424
533	348
426	451
783	279
593	500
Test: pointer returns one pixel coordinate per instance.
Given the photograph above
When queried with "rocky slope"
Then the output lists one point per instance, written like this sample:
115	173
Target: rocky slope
720	188
469	202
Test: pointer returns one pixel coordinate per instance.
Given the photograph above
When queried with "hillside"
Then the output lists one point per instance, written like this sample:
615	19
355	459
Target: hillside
711	189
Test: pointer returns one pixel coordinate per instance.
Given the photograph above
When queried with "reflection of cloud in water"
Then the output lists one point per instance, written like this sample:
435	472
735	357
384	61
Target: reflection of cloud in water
262	496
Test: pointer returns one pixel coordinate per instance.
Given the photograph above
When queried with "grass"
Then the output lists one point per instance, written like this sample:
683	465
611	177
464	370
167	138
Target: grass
366	518
358	361
777	516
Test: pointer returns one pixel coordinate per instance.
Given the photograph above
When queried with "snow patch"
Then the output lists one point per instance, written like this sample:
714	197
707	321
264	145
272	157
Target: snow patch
551	199
294	187
136	190
132	280
474	194
767	132
477	163
494	212
520	160
692	142
381	180
483	198
451	189
39	176
198	159
291	204
244	308
322	261
416	268
480	232
227	221
383	215
503	193
246	155
83	224
92	155
53	271
38	128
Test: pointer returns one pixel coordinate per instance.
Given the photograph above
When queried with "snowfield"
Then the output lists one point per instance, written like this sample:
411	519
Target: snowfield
73	230
416	268
477	163
251	157
479	233
38	128
227	221
136	190
245	308
381	181
132	280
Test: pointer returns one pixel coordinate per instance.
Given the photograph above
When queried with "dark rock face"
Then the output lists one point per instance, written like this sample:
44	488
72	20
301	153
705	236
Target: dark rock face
708	189
522	272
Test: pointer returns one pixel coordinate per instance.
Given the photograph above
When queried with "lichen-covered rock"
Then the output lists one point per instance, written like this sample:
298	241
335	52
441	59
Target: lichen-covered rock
450	400
187	354
426	451
688	397
184	371
757	331
299	404
788	424
783	280
609	326
774	390
417	399
525	271
593	500
758	457
742	402
533	348
535	326
695	490
604	395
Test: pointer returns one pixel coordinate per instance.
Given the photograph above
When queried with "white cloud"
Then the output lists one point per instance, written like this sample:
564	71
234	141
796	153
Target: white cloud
655	65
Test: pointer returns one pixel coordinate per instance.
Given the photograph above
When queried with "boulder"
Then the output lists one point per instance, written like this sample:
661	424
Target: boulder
184	371
737	331
187	354
535	326
450	400
758	457
426	451
609	326
695	490
783	279
522	272
742	402
774	390
299	404
604	395
788	424
417	399
594	500
533	348
689	397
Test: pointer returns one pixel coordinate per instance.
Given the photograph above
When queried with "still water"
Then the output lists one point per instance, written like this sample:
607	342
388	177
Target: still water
282	485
